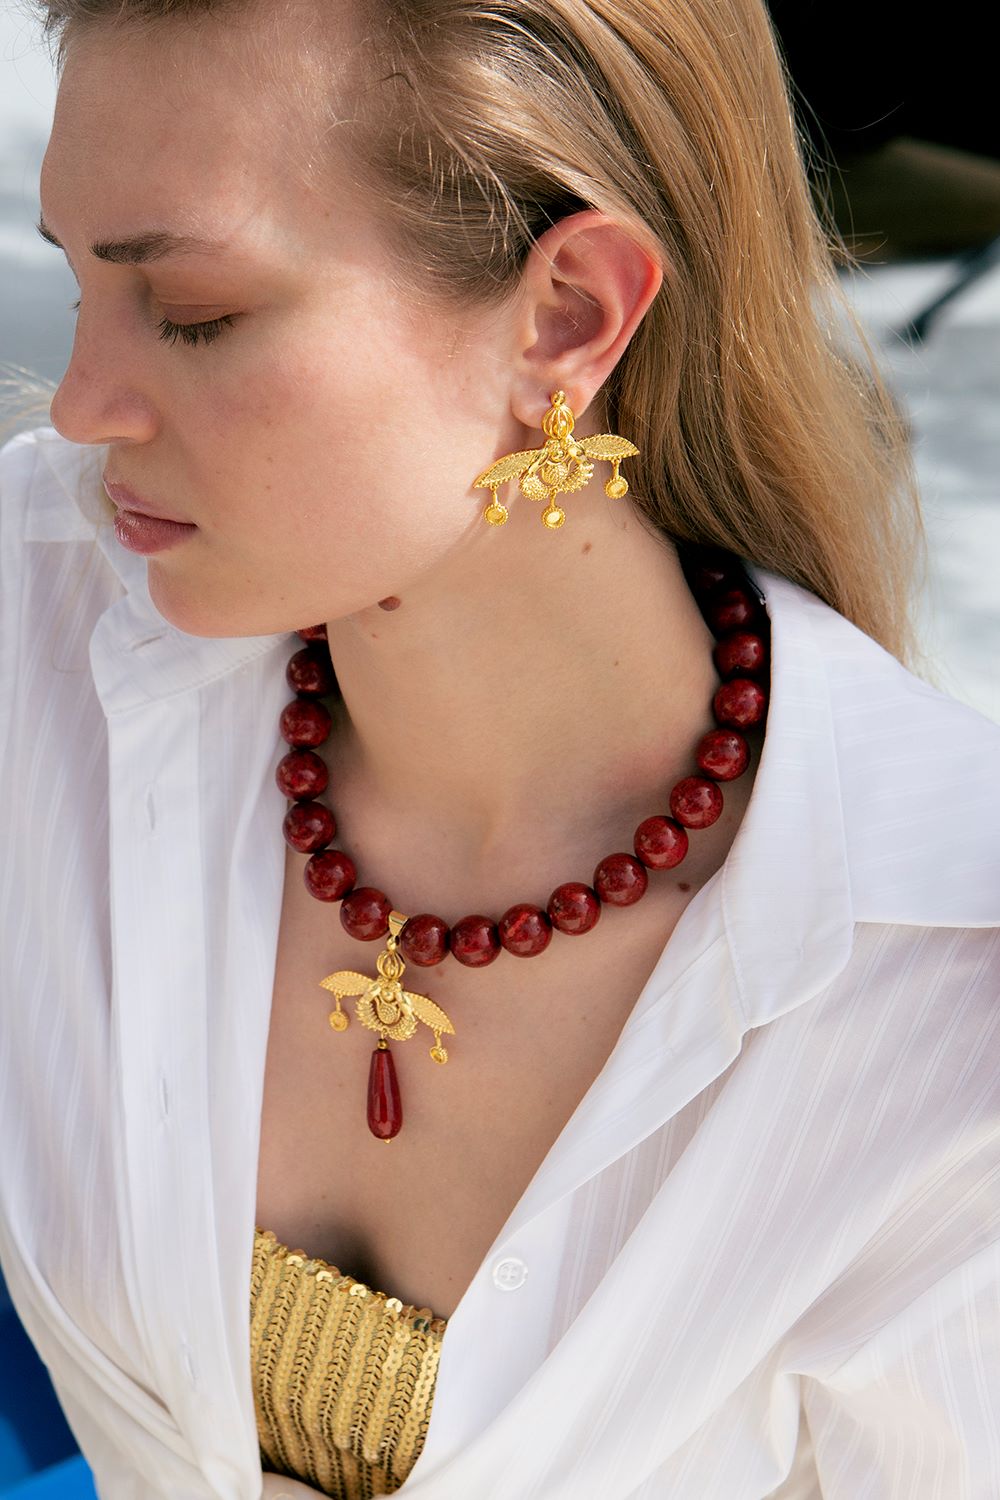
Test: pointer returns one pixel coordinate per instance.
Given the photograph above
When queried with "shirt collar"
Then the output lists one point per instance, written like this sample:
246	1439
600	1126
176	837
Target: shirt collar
787	874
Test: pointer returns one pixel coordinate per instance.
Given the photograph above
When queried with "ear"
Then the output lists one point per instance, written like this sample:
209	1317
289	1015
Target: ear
586	286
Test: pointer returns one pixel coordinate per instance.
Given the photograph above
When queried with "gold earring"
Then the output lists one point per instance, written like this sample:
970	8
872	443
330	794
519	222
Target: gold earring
563	465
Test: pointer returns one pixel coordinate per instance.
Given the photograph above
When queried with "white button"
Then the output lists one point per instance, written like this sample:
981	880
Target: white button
509	1273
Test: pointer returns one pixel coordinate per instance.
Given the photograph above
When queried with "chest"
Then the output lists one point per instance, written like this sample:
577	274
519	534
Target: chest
416	1216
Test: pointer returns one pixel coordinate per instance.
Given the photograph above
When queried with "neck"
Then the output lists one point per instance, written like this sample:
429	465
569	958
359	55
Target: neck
524	706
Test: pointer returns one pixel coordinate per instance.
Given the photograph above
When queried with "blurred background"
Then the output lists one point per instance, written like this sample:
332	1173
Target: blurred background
903	137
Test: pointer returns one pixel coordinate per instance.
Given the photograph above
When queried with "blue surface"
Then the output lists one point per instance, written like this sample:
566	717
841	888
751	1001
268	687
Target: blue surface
39	1456
70	1480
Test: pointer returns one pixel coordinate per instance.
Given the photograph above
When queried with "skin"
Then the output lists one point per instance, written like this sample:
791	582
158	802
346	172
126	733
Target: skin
279	1487
325	446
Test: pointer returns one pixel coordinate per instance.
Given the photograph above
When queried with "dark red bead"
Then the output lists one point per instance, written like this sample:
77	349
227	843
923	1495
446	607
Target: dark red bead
722	753
365	913
301	774
739	652
385	1103
660	842
312	632
739	703
620	879
311	671
475	941
703	577
525	929
308	826
695	801
304	721
732	608
573	907
329	875
424	939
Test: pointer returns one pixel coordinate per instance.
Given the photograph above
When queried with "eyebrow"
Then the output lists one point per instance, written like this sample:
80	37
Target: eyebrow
137	249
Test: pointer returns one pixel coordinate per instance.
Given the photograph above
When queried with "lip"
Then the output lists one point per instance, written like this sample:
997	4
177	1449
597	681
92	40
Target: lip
127	499
145	535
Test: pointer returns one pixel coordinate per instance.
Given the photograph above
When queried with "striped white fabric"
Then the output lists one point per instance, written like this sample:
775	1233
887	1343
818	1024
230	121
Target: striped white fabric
763	1256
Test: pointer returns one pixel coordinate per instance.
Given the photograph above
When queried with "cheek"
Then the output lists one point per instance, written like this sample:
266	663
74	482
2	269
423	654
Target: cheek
329	476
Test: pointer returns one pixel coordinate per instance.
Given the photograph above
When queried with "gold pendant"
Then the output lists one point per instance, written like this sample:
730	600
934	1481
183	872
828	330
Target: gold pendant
564	465
383	1005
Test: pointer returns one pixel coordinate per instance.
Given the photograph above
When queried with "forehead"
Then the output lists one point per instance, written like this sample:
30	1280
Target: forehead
228	115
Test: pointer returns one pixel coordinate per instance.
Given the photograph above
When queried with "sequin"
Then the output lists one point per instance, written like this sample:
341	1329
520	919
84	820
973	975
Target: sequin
343	1376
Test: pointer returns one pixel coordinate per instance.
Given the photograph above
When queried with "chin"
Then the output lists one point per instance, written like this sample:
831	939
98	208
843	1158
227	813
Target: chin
199	614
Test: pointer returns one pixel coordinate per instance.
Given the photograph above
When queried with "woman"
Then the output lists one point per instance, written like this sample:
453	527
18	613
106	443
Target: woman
700	1201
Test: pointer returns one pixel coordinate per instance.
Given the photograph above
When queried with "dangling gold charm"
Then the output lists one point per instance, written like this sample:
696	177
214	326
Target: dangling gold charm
562	466
383	1005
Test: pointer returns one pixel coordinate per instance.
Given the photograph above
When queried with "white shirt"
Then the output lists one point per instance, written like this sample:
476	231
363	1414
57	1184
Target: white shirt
762	1258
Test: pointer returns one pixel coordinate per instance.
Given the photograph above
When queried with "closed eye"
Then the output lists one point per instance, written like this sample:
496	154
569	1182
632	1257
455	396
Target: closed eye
191	333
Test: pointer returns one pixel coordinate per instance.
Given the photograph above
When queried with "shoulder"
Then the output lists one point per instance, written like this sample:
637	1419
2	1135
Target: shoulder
877	699
18	457
921	791
54	578
13	449
917	775
48	488
873	695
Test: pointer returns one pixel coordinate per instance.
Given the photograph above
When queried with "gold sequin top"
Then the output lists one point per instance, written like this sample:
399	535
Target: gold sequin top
343	1376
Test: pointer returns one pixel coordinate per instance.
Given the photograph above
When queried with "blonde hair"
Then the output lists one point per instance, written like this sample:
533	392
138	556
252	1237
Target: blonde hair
762	419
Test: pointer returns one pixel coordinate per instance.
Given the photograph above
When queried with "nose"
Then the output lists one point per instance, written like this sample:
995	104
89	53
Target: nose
100	398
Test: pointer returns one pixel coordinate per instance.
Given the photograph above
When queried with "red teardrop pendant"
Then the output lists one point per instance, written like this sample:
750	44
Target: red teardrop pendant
385	1107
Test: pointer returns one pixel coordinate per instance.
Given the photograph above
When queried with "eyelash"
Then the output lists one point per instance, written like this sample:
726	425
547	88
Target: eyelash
191	333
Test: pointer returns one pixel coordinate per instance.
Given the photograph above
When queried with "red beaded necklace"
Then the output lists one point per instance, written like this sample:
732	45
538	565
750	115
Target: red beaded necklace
734	610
